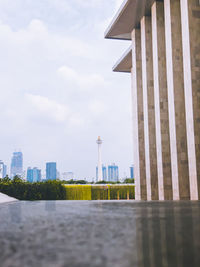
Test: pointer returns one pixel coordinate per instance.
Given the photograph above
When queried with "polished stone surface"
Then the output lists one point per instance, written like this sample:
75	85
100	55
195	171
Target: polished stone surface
100	233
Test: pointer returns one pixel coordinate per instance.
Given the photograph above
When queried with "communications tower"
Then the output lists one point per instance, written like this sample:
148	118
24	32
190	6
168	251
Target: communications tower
100	175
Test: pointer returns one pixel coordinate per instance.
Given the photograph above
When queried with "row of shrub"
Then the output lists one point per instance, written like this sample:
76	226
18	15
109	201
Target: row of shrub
50	190
103	192
56	190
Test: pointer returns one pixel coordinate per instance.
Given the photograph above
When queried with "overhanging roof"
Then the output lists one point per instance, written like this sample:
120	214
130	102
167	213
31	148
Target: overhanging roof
124	64
128	18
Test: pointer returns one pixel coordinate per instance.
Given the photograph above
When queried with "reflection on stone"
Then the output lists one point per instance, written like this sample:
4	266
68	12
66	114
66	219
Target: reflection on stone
15	212
100	233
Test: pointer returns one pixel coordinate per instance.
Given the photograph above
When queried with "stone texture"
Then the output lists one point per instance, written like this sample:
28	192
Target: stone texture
190	13
138	118
176	100
100	233
161	103
149	110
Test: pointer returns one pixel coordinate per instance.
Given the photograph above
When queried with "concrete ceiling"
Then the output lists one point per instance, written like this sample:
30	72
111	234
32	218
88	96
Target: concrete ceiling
125	62
127	18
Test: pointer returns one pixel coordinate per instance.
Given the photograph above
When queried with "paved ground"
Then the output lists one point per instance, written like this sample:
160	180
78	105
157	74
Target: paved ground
102	234
4	198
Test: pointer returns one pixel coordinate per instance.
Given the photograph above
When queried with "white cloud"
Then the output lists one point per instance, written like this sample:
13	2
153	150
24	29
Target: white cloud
97	107
49	108
57	84
84	81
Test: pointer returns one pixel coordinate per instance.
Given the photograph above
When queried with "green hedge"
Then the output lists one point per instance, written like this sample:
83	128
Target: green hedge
78	192
103	192
100	193
50	190
55	190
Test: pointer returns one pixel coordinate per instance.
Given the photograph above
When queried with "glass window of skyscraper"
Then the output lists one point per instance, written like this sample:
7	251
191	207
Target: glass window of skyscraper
16	164
33	175
51	171
113	173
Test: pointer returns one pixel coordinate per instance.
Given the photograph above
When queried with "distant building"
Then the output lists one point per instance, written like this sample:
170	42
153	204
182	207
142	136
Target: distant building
132	172
33	175
16	165
51	171
67	176
1	169
113	173
104	173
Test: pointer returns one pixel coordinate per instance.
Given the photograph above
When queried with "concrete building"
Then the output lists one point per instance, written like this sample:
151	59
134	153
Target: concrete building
164	63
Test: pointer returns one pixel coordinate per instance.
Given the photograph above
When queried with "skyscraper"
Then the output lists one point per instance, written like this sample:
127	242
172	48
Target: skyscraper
51	171
3	169
132	172
113	173
104	173
33	175
16	164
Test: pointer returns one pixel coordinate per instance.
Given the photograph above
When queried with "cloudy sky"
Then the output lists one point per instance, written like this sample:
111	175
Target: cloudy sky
57	88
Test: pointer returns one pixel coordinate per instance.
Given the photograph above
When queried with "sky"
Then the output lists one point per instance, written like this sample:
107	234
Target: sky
57	89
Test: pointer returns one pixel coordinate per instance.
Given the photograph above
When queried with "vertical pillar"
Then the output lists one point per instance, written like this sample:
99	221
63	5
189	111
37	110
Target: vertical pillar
190	21
176	100
149	111
161	103
138	118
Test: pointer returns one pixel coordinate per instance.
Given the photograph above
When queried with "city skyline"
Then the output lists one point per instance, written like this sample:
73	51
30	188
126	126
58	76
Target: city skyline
62	175
60	97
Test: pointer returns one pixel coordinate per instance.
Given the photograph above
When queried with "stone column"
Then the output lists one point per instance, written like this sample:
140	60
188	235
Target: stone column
190	18
176	100
138	118
149	111
161	103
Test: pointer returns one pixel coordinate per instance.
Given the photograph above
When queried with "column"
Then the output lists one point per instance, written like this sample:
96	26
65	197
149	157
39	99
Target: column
161	103
190	18
138	118
149	111
176	100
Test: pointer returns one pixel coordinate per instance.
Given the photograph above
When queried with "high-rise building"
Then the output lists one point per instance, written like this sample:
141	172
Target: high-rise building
16	164
113	173
163	61
132	172
33	175
51	171
104	173
3	169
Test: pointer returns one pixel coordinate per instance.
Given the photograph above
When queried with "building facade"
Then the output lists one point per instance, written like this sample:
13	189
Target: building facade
113	173
33	175
16	165
164	62
132	172
51	171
